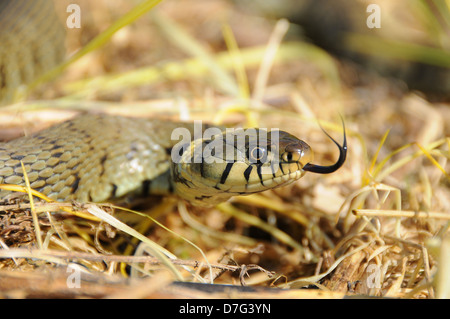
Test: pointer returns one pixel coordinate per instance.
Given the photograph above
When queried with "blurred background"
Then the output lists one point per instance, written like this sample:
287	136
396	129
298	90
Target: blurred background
286	64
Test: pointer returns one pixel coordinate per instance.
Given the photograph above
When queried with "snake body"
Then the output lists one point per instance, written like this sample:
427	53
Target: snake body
103	157
90	158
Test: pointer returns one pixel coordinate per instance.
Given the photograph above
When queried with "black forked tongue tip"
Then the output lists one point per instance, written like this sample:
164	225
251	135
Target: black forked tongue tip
332	168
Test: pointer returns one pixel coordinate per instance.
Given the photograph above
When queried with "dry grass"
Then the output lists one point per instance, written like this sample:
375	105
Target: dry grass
377	227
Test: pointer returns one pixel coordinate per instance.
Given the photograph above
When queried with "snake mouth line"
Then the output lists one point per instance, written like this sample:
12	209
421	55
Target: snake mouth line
257	175
258	186
277	181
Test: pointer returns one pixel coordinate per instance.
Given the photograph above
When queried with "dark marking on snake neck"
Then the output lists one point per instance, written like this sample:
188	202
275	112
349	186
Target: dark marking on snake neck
258	170
247	172
226	172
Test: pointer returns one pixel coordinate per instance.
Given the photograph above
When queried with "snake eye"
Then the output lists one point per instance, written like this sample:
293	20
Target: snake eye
291	157
257	154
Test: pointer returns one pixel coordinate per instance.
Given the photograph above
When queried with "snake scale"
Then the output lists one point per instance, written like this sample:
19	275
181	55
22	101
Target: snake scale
102	157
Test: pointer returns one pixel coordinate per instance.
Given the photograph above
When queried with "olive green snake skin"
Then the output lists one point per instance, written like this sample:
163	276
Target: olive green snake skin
102	157
91	158
31	43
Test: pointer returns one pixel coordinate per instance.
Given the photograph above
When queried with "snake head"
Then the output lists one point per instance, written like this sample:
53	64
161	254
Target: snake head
241	162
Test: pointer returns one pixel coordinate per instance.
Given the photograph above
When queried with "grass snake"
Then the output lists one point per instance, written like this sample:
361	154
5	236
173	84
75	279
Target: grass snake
101	157
104	157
